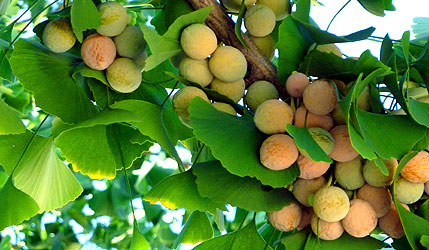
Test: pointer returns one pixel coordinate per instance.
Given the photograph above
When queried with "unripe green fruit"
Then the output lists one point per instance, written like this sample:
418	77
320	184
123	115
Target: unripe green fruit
310	169
280	7
326	230
323	138
379	198
272	116
124	75
373	175
259	20
58	35
343	149
232	90
182	99
408	192
130	43
259	92
338	115
266	45
286	219
349	174
278	152
331	204
196	71
313	121
329	48
234	5
224	107
228	64
114	18
360	220
296	83
198	41
364	99
391	224
320	97
98	51
302	188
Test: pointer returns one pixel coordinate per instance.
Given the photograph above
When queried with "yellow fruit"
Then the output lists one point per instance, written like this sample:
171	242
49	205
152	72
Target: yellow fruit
182	99
408	192
378	197
259	20
331	203
329	48
259	92
322	138
232	90
234	5
286	219
114	19
198	41
296	83
320	97
310	169
224	107
278	152
343	149
124	75
326	230
130	43
266	45
272	116
228	64
58	35
280	7
313	121
417	169
303	188
98	51
360	220
196	71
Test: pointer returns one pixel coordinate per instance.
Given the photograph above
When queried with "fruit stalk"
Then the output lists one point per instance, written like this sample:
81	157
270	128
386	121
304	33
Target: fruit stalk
260	68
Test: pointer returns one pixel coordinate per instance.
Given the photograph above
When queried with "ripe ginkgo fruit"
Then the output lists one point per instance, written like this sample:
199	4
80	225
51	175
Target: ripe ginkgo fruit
130	43
378	197
234	5
374	176
391	224
228	64
417	169
278	152
303	188
320	97
304	117
280	7
310	169
266	45
259	92
272	116
182	100
408	192
196	71
114	18
343	149
360	220
232	90
349	174
323	138
198	41
124	75
58	35
296	83
287	218
331	203
98	51
326	230
224	107
253	20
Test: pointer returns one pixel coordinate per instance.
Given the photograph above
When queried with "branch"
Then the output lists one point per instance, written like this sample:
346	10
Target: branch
260	68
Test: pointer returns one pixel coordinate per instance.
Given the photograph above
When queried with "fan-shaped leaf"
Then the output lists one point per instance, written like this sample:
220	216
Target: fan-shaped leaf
9	122
196	229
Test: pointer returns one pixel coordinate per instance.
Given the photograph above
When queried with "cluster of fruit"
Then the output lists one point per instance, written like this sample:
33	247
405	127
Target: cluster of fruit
326	207
116	47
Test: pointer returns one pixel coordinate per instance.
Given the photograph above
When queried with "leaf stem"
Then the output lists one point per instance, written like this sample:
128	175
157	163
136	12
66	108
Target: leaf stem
169	95
338	12
198	154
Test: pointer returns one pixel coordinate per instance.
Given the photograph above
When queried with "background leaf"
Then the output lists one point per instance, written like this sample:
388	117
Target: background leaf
10	122
84	16
196	229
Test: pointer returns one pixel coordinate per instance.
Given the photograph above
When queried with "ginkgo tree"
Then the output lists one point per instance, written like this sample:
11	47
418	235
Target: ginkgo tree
63	124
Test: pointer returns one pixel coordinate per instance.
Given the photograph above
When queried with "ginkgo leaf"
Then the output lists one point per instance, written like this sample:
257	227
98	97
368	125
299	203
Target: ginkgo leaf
15	206
138	241
9	122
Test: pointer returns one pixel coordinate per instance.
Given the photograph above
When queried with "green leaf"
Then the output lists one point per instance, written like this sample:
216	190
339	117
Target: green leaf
180	191
238	24
85	71
414	226
297	240
231	137
5	69
246	238
302	11
419	111
216	183
305	141
9	122
175	9
84	16
377	7
48	76
386	135
292	48
16	206
423	210
197	229
138	242
425	241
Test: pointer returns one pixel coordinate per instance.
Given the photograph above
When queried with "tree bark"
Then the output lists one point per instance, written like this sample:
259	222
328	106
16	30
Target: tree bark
259	67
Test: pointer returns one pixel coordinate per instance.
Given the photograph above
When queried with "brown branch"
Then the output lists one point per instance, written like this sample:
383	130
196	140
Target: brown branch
260	68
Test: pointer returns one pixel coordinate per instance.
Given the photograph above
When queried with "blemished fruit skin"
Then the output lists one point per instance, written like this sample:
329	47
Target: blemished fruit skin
272	116
310	169
326	230
391	224
198	41
379	198
58	35
281	8
303	188
320	97
98	51
360	220
114	19
374	176
417	169
287	218
266	45
349	174
228	64
232	90
313	121
130	43
278	152
224	107
259	92
196	71
124	75
296	83
182	99
234	5
253	20
323	138
408	192
331	204
343	149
